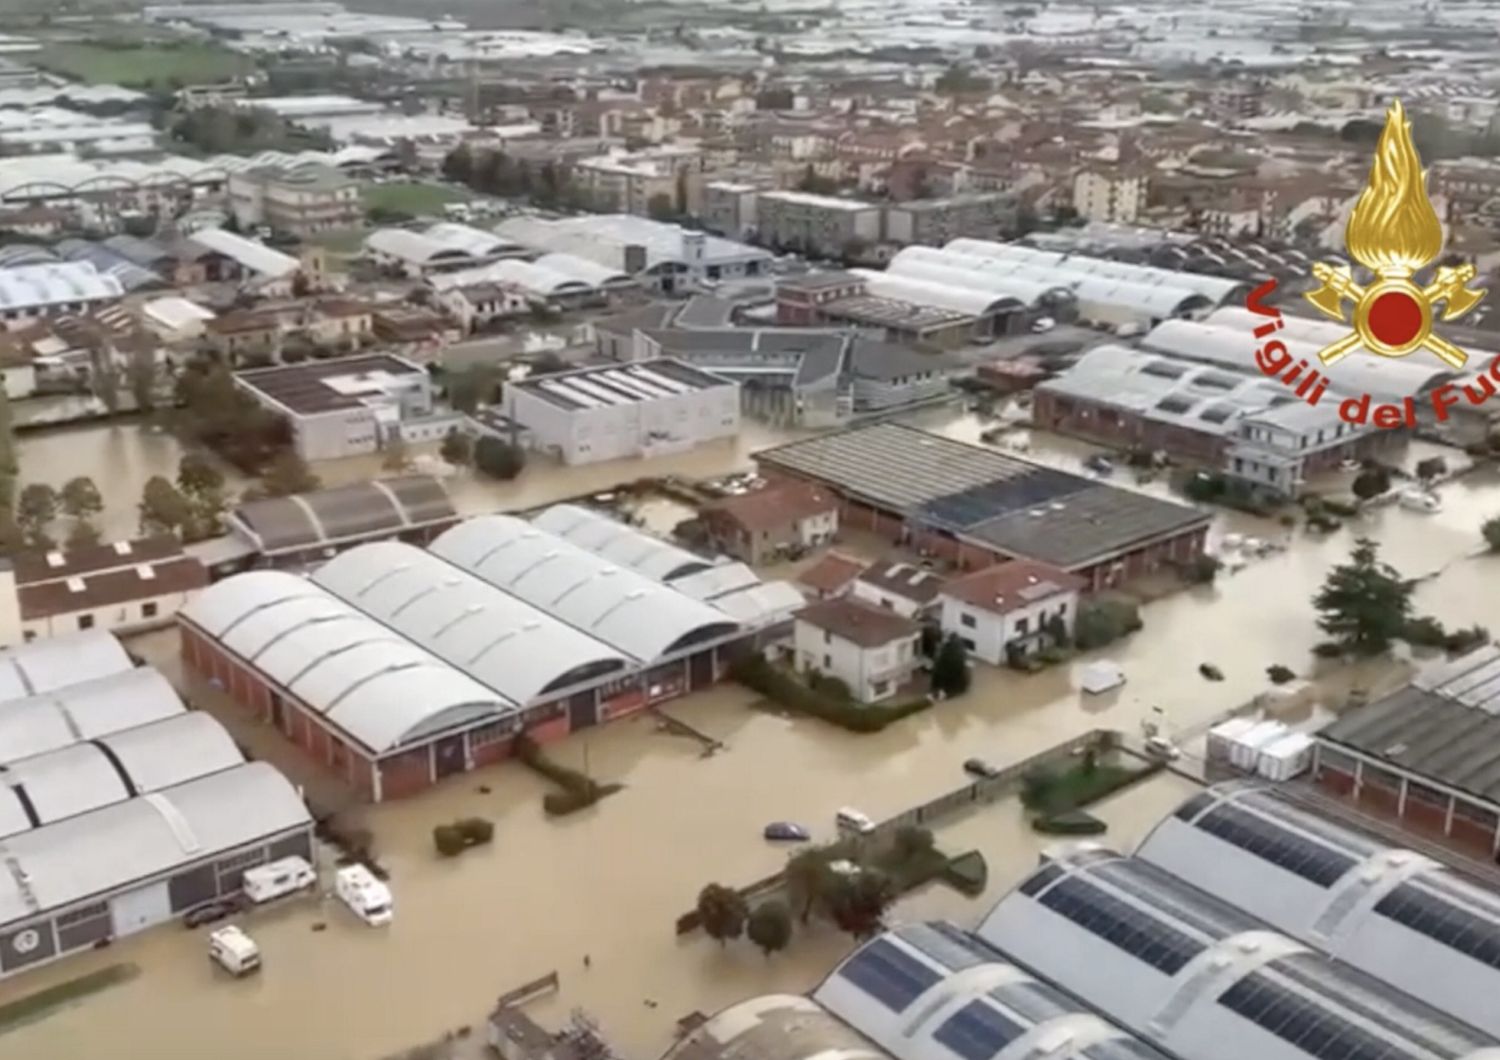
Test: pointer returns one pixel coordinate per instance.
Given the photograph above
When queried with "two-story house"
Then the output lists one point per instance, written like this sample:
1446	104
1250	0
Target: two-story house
910	591
872	650
1015	603
759	527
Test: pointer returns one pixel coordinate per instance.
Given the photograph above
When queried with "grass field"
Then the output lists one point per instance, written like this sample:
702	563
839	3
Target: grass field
414	199
143	65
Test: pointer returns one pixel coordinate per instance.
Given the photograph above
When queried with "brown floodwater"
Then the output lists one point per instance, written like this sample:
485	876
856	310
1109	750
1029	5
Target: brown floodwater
609	882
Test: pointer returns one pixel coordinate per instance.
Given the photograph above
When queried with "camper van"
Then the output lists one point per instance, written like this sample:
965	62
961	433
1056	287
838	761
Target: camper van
234	951
281	877
853	821
366	897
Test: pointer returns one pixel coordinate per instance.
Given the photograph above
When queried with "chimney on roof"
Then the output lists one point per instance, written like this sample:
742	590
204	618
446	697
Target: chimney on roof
54	559
122	548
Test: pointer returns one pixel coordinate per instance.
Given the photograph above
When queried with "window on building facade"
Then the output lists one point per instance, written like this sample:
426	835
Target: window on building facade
1022	626
967	620
85	621
148	609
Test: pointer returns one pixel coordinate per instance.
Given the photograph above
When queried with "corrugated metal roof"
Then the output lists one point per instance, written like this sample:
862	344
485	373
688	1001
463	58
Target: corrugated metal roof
40	286
375	684
493	636
99	851
255	256
85	711
625	545
51	663
635	615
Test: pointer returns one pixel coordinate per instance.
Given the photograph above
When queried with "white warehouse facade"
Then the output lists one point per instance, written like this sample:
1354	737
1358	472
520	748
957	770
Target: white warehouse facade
627	411
1400	916
1200	978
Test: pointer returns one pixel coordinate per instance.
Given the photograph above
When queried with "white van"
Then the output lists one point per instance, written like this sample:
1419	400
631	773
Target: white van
234	951
854	821
283	876
366	897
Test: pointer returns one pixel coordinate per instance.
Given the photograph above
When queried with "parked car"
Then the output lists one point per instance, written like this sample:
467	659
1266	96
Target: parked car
788	831
1100	464
980	768
854	821
207	914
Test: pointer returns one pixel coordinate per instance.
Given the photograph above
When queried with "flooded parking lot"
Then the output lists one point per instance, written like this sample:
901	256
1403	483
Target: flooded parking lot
609	882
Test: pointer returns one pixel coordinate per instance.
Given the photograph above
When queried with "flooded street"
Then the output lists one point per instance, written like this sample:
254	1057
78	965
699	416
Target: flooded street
610	882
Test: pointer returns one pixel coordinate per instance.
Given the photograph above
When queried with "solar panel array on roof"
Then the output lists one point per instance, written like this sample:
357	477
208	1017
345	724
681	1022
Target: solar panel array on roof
1116	921
1276	845
968	507
888	975
1175	403
978	1031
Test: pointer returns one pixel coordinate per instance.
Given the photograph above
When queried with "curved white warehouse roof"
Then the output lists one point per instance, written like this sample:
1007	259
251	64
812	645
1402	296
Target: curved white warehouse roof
637	616
473	241
1393	913
1234	346
39	286
940	266
85	711
491	635
534	279
1153	301
933	992
414	248
583	270
624	545
367	679
970	300
783	1026
1214	288
50	663
1202	979
100	851
85	776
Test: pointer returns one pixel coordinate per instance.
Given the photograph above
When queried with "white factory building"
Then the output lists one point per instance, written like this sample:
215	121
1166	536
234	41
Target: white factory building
617	412
120	809
1202	979
930	991
39	292
1400	916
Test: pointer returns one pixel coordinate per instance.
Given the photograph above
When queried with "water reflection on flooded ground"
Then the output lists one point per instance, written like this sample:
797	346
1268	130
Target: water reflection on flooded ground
609	882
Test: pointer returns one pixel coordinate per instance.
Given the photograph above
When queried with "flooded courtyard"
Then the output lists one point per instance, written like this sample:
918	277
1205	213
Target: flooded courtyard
610	882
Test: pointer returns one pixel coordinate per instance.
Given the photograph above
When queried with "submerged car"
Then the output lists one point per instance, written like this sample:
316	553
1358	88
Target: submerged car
980	768
788	831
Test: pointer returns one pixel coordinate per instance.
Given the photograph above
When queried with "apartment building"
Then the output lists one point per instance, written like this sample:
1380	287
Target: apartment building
628	182
300	201
1110	194
817	224
933	222
729	208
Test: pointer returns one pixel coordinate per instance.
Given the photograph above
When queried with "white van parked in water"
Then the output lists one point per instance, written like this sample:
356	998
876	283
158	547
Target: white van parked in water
366	897
280	877
234	951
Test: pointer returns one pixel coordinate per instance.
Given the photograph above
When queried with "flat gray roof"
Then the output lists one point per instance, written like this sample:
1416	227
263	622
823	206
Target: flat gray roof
1016	506
1444	725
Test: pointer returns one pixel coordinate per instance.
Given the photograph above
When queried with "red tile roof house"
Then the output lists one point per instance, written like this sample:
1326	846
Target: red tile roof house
1010	603
872	650
831	576
770	523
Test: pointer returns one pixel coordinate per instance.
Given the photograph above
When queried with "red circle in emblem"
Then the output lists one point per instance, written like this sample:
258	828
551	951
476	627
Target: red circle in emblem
1395	318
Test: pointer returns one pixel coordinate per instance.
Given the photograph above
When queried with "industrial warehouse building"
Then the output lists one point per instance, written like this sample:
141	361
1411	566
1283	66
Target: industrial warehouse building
784	1026
1395	914
396	667
974	506
1203	980
933	992
624	411
1424	754
309	527
119	809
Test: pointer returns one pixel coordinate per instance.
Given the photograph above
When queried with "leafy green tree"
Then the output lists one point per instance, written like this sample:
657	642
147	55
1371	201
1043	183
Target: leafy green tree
141	376
9	466
1364	604
1491	531
1431	468
82	534
80	498
723	911
457	448
858	902
911	842
660	207
12	540
163	508
196	475
950	670
770	926
498	458
470	388
289	474
36	510
808	879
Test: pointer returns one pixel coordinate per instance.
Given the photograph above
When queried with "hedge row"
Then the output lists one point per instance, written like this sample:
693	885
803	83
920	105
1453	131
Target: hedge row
785	690
579	790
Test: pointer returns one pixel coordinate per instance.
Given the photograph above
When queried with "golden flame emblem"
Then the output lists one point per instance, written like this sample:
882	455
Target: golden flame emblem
1394	232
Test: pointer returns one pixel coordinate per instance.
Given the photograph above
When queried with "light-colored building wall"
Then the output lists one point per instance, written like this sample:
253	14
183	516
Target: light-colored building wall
986	634
872	674
1109	196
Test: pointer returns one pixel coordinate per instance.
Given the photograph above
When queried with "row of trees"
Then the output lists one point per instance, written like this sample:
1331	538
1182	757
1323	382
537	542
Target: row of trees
244	130
547	185
214	413
490	455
